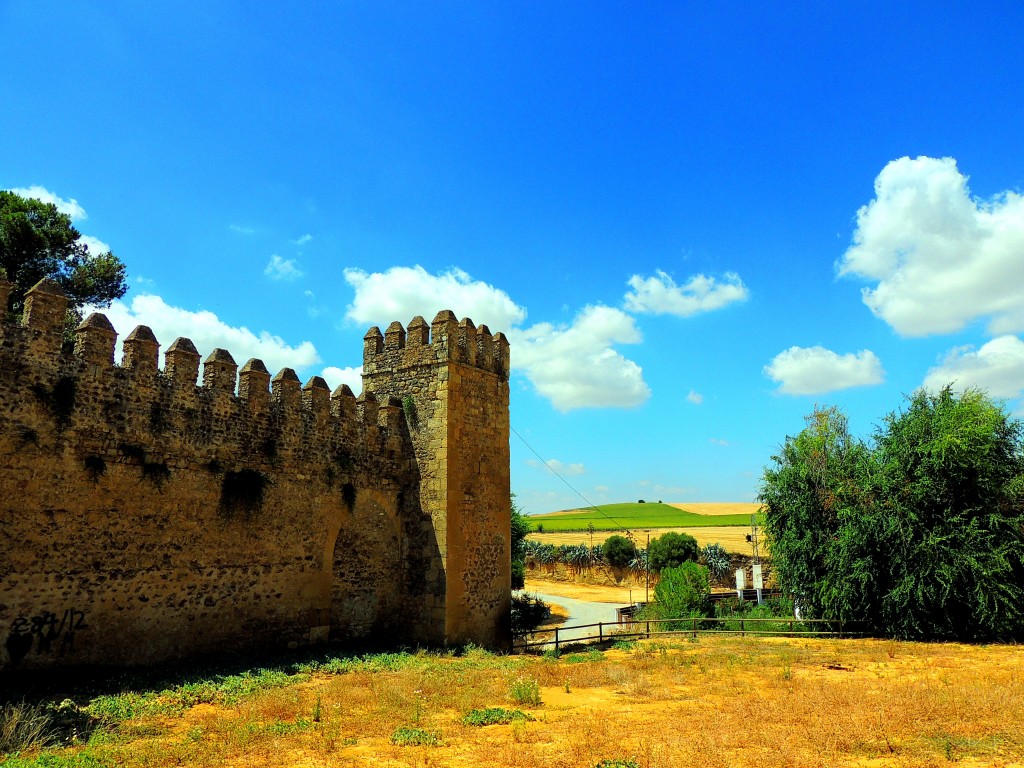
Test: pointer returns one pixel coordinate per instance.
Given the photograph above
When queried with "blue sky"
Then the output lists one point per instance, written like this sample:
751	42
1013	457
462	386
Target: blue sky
694	221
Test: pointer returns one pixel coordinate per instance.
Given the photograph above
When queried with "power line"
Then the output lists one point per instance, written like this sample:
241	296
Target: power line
567	483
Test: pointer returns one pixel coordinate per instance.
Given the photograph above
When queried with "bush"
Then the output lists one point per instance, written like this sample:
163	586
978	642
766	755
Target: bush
525	691
671	550
528	613
24	726
682	592
618	551
413	737
494	716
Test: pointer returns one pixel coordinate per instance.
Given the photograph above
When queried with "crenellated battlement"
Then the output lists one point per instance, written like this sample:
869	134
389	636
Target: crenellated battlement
199	506
445	340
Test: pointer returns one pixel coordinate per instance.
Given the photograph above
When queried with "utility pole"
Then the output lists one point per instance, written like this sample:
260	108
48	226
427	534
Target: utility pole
647	561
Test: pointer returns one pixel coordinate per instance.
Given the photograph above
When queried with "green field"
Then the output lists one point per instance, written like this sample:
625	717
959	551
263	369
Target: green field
608	517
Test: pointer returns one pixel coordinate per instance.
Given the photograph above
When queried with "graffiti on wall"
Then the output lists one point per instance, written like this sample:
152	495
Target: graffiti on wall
49	632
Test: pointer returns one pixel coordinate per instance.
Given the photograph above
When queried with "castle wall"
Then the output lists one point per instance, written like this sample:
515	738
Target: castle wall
144	516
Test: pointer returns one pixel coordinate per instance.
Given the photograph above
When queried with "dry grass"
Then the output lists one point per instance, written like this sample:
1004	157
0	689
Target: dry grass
722	701
732	537
719	508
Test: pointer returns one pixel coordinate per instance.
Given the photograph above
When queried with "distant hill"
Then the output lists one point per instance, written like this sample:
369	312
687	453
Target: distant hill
631	515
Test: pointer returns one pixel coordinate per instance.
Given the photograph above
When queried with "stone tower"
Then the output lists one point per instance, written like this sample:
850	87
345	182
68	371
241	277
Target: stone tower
452	381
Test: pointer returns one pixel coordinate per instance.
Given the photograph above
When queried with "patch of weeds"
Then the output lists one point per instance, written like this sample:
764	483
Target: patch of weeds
242	492
317	709
95	466
525	691
414	737
579	658
24	726
494	716
618	762
278	728
194	734
117	708
84	759
624	645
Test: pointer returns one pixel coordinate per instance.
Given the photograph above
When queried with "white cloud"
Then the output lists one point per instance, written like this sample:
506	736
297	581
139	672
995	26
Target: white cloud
282	269
575	366
660	295
401	293
941	258
815	370
558	466
602	488
241	230
335	377
95	245
695	397
997	367
208	332
717	441
70	207
303	240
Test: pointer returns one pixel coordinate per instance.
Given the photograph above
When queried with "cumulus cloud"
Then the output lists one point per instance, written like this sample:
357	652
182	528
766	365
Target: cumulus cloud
208	332
95	245
695	397
575	366
303	240
940	257
560	467
997	367
816	370
282	269
401	293
70	207
659	295
335	377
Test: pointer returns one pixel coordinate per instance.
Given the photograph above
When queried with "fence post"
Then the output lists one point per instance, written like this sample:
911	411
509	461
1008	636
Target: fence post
556	641
693	626
648	630
600	633
743	632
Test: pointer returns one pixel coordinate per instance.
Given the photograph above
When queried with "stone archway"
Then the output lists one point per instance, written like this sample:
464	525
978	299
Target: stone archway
366	568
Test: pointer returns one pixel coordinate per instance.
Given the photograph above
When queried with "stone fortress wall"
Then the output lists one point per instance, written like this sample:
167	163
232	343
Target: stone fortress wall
144	517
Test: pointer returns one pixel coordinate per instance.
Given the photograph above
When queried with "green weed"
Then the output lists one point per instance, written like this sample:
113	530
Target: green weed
525	691
494	716
414	737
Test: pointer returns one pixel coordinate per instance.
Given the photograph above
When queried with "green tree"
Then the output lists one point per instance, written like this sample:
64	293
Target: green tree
618	551
682	592
520	530
671	550
37	241
920	535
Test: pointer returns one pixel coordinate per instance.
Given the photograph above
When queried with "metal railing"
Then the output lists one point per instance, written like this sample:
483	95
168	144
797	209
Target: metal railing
610	630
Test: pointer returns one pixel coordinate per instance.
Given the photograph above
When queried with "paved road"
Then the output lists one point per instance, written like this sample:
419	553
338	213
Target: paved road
581	612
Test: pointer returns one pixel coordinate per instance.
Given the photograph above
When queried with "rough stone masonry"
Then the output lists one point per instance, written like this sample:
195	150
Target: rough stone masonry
145	517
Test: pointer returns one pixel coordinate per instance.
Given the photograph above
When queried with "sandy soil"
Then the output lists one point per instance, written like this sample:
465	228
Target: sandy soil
591	592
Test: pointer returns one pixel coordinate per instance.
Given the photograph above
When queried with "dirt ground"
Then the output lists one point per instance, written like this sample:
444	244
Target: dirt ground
719	508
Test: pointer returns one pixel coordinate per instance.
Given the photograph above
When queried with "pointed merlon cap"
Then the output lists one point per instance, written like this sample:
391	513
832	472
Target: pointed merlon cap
255	365
444	316
220	356
48	286
417	332
286	375
96	321
181	344
317	382
142	333
343	390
